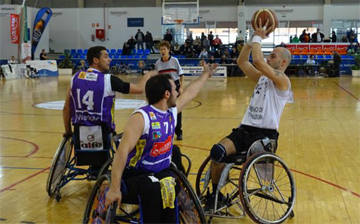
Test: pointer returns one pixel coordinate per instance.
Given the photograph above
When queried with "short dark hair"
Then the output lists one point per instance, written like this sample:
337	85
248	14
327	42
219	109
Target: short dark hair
94	52
156	86
164	43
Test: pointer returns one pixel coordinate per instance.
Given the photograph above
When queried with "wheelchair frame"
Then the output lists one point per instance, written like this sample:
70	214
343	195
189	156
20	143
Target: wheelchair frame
63	168
240	174
110	215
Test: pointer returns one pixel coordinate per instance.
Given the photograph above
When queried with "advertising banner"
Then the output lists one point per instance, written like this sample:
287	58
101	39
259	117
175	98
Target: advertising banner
14	28
197	70
45	68
41	20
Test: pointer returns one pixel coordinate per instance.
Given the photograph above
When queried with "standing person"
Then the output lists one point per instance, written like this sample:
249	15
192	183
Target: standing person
304	37
211	38
170	65
139	37
168	37
131	43
262	117
317	37
333	37
337	63
91	95
139	162
149	42
43	55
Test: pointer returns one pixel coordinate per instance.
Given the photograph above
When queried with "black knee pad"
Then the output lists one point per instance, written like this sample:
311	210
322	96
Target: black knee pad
218	153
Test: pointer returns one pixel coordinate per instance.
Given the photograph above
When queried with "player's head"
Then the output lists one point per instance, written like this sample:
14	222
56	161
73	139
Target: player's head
164	48
98	58
159	87
279	58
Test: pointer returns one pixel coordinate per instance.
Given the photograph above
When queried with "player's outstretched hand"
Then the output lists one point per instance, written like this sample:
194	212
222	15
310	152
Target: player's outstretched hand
262	30
209	69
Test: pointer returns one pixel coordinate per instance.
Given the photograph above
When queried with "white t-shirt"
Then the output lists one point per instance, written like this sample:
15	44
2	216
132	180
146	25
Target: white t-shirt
266	105
310	62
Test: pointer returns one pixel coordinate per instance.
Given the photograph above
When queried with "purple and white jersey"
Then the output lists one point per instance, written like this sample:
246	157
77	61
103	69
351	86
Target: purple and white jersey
92	99
153	151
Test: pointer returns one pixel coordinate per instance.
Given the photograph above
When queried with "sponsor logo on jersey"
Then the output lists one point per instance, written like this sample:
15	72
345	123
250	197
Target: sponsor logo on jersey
91	76
152	116
156	135
90	138
82	75
91	145
155	125
160	148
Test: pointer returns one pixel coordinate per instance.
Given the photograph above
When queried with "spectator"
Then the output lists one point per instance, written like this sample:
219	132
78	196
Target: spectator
189	41
295	39
190	53
211	38
234	53
281	45
140	37
310	60
131	43
217	42
203	37
304	37
226	53
352	37
12	61
204	53
240	47
176	49
317	37
168	36
197	45
353	47
223	60
333	37
336	64
149	42
212	60
126	50
217	54
82	66
43	55
206	43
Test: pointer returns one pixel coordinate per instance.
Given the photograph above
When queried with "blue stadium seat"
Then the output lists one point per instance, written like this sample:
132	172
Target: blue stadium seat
82	57
137	56
143	56
320	57
130	56
113	51
61	57
75	56
328	57
72	51
79	52
116	56
123	56
147	51
305	56
85	51
140	51
119	51
181	56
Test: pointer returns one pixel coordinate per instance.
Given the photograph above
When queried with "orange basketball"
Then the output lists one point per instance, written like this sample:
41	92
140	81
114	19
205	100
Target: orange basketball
265	14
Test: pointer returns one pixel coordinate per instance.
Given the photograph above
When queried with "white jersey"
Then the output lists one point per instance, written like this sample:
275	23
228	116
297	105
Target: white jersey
266	105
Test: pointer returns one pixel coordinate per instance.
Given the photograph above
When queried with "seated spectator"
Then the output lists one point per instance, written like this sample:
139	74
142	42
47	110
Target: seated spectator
234	53
353	47
217	42
204	53
189	41
239	48
226	53
176	49
281	45
126	49
223	60
12	60
310	60
43	55
82	66
190	53
217	54
206	43
211	60
131	43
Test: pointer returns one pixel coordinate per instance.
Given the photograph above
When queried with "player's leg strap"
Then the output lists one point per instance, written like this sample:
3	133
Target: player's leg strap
218	153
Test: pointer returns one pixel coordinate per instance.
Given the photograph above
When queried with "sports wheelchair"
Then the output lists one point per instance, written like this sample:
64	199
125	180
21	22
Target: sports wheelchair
258	184
187	204
69	157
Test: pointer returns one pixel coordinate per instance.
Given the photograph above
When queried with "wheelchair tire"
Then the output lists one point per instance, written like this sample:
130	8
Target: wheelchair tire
190	210
58	166
106	168
267	188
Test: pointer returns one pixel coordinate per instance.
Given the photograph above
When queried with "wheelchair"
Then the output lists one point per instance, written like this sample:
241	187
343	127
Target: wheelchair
187	204
120	69
258	184
68	159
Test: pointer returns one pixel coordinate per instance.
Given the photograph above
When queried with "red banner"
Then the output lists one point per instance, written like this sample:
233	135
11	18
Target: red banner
14	28
315	46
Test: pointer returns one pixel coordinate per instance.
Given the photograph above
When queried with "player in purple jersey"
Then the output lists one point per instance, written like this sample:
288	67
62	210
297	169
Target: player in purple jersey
90	97
143	157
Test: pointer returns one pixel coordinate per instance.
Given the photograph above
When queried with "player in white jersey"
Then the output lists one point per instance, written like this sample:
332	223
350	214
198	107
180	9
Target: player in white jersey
272	92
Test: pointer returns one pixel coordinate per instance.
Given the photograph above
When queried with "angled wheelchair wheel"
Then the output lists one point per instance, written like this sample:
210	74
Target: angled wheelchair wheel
95	211
190	210
58	167
230	207
106	168
267	188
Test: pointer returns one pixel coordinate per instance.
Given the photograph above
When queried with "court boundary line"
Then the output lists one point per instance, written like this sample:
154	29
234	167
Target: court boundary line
346	91
35	150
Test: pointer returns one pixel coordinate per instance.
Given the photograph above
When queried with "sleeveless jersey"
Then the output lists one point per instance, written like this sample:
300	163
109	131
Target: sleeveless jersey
92	99
266	105
153	151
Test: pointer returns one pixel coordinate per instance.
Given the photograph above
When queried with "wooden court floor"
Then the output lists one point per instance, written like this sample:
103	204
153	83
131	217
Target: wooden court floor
319	140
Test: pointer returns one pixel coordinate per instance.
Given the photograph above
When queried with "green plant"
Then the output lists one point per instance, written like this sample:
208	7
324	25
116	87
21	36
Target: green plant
66	62
356	66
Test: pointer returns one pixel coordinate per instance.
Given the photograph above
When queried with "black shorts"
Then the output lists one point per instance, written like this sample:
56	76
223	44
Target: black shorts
244	136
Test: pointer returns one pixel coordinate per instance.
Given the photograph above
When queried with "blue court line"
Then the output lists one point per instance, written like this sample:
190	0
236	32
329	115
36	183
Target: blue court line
20	168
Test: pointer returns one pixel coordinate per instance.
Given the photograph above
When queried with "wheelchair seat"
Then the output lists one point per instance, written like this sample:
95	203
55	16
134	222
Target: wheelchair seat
237	159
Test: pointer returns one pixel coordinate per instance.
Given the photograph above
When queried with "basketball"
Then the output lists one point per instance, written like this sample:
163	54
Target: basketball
265	14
